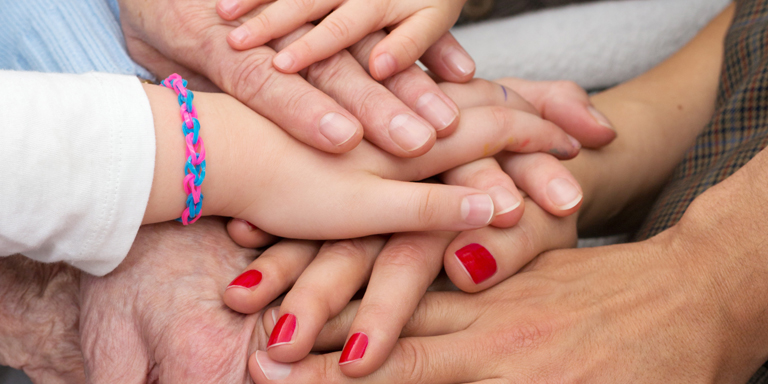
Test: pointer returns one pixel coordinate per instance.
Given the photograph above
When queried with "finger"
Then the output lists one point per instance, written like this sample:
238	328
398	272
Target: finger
487	175
449	61
545	180
477	260
401	275
503	129
251	78
389	124
566	104
480	93
320	293
348	24
429	360
277	20
408	41
269	275
232	9
248	235
415	88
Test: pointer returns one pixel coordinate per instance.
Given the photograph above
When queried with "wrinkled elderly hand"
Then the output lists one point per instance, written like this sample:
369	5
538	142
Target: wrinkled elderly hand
159	317
39	320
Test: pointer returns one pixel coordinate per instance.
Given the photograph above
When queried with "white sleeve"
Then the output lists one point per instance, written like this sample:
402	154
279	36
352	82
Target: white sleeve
77	157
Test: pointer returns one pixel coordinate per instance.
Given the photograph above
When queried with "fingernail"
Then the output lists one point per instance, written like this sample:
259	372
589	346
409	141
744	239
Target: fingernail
355	349
337	128
459	62
408	133
477	261
575	143
385	65
477	210
503	200
563	193
432	108
283	61
240	35
229	6
271	369
248	279
274	316
600	118
283	332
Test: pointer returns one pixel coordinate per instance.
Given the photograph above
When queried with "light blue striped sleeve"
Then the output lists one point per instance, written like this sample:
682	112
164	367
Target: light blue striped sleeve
68	36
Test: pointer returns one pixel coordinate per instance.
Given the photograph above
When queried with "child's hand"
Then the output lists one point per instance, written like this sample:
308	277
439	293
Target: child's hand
258	173
416	25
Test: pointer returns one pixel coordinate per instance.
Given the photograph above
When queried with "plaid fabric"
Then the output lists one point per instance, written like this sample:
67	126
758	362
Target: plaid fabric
738	129
737	132
479	10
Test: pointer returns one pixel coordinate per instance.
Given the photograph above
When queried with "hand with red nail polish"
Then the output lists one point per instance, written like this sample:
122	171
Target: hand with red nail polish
415	26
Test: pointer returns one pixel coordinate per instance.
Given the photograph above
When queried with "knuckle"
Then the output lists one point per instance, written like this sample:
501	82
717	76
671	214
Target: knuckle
406	255
339	26
519	337
302	6
501	117
414	360
250	76
568	87
427	206
346	251
332	70
409	46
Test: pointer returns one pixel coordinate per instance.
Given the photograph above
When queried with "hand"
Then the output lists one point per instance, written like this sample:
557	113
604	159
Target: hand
408	263
192	43
160	314
39	315
641	313
279	193
416	26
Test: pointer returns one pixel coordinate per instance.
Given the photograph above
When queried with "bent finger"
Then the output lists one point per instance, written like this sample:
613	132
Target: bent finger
401	275
566	104
448	60
487	175
545	180
320	293
269	275
477	260
247	235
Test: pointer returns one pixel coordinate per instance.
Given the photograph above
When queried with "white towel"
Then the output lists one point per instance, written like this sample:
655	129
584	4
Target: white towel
594	44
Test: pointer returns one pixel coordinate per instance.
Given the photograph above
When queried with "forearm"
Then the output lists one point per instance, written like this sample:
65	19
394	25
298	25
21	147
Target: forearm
658	116
39	315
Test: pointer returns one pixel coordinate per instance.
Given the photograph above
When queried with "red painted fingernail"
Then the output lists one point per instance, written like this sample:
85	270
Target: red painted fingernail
477	261
283	331
248	279
355	348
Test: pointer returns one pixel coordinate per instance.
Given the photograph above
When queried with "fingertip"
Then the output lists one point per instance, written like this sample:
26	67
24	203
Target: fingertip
239	38
565	196
383	66
261	365
342	133
285	61
247	235
228	9
469	265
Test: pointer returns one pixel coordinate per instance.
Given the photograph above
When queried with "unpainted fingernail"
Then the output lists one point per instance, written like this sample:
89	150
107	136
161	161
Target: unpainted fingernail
503	200
240	34
384	65
409	133
275	311
247	279
271	369
575	143
229	7
337	128
563	193
283	331
479	264
459	62
432	108
600	118
284	61
355	348
477	210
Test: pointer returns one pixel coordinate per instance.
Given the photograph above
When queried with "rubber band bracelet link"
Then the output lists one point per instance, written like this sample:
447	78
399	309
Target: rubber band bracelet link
194	170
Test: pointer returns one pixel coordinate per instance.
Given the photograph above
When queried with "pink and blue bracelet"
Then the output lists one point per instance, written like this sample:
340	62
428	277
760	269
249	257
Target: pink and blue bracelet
194	170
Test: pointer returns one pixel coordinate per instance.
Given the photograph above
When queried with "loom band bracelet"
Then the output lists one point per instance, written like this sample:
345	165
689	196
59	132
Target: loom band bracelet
196	151
193	170
187	214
